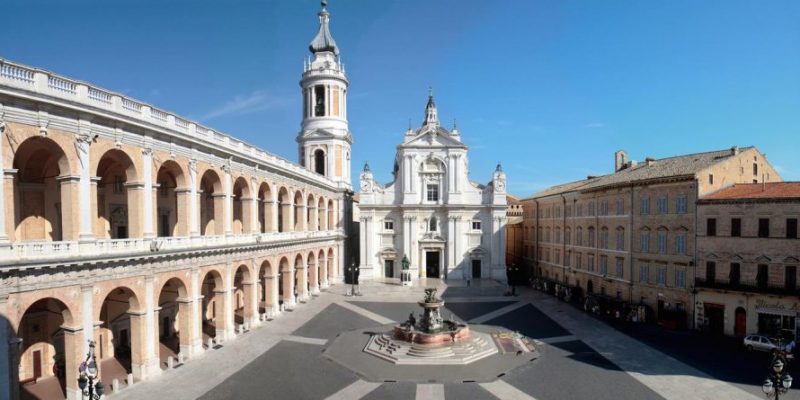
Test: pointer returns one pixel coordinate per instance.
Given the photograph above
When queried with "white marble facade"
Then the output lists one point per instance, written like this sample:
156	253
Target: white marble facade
448	226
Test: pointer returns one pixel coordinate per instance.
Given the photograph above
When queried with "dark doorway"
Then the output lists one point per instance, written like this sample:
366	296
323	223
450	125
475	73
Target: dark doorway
388	268
319	162
37	365
122	232
660	309
476	268
163	226
740	327
715	318
432	264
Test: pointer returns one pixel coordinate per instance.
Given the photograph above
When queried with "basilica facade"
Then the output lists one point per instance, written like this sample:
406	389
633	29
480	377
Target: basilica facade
154	236
445	225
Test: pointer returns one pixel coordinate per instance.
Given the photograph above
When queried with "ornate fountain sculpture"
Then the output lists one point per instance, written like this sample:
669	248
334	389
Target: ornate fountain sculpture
431	327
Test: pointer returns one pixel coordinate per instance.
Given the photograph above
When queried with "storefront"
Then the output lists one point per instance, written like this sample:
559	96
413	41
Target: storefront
775	318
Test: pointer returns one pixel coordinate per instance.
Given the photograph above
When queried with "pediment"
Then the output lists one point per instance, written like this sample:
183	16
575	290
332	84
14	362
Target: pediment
318	134
763	259
433	138
432	237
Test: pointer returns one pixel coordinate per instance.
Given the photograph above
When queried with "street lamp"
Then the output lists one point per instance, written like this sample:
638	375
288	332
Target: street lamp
777	382
91	388
353	270
512	278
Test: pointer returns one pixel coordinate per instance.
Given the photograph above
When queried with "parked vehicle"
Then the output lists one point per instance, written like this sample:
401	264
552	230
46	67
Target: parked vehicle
764	343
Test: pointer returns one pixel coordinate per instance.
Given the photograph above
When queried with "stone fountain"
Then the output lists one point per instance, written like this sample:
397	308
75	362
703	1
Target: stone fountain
432	339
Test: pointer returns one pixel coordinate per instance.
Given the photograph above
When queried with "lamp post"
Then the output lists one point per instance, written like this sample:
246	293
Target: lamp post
512	276
90	386
778	382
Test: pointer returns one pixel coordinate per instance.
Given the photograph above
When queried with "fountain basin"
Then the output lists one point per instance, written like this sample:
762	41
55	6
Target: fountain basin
460	333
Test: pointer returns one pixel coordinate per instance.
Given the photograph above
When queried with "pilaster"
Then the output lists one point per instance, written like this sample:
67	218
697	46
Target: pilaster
194	200
84	140
147	200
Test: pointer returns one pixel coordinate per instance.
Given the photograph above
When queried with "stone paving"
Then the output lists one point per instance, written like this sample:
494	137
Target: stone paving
580	357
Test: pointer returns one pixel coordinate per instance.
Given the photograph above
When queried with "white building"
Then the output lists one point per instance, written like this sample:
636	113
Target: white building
447	226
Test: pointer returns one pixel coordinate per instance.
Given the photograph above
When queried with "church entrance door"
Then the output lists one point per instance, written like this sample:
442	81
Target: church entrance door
432	264
476	268
388	268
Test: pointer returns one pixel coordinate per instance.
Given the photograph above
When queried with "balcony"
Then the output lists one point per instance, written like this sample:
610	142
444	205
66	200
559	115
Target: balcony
44	251
750	286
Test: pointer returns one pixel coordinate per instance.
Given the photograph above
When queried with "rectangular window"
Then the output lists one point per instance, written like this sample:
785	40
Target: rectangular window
791	228
736	227
590	262
620	207
644	273
735	275
567	237
476	225
603	265
578	260
591	238
710	179
661	276
711	227
579	210
118	184
579	237
604	239
680	278
388	225
662	205
567	257
755	169
680	244
644	242
763	227
662	242
711	272
620	268
791	277
620	240
762	278
558	256
433	192
591	208
680	205
644	206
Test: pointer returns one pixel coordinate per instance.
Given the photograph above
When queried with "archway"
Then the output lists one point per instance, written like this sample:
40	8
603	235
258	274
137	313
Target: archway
331	222
265	205
332	266
241	208
322	267
322	220
213	292
319	161
286	282
299	212
118	197
121	342
211	204
41	207
49	350
300	278
174	320
242	296
171	215
284	211
313	274
268	288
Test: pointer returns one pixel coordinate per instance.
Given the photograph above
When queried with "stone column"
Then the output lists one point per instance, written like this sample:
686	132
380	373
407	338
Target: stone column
362	243
314	217
227	189
323	272
84	139
289	300
254	228
271	283
273	211
302	282
220	205
185	326
451	245
147	201
197	312
194	201
302	225
72	358
250	311
313	277
338	267
139	349
87	311
150	357
502	244
229	304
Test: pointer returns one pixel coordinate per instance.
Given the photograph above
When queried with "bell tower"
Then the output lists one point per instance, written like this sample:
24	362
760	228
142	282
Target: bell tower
324	139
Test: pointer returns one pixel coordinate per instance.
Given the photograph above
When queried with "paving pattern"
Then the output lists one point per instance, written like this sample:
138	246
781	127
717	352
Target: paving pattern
580	357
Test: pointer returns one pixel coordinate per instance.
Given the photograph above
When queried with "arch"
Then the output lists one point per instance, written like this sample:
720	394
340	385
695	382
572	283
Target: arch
285	211
331	222
311	213
243	306
333	268
42	202
267	287
322	262
212	289
121	344
265	206
48	349
322	214
300	277
320	161
285	282
241	210
119	197
211	198
299	211
171	200
173	319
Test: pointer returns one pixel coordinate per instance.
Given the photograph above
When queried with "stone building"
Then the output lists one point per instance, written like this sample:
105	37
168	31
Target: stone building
514	233
748	253
630	235
447	225
151	234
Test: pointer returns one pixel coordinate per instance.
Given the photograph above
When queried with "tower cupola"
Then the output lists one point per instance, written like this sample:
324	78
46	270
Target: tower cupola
431	117
324	42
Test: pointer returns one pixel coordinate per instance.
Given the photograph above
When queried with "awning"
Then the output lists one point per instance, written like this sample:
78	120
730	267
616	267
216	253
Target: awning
776	311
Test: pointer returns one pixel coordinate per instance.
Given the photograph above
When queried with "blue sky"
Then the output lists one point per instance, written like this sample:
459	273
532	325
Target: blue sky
549	88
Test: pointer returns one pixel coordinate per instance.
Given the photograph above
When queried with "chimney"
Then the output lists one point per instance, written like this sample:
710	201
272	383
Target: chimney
734	150
649	161
620	160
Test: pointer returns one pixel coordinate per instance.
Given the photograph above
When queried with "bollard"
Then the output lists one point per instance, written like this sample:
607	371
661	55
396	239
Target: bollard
115	385
210	343
180	358
130	379
170	363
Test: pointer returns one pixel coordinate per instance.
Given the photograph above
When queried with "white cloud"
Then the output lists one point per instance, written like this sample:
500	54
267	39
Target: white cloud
246	104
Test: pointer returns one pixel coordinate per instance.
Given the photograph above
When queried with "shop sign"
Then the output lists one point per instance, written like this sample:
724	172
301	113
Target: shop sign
761	303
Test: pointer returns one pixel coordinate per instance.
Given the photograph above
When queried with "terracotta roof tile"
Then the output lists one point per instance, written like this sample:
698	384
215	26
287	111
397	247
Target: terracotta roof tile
774	190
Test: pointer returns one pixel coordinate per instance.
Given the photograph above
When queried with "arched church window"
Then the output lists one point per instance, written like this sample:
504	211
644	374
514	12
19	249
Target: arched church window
319	162
432	224
319	101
